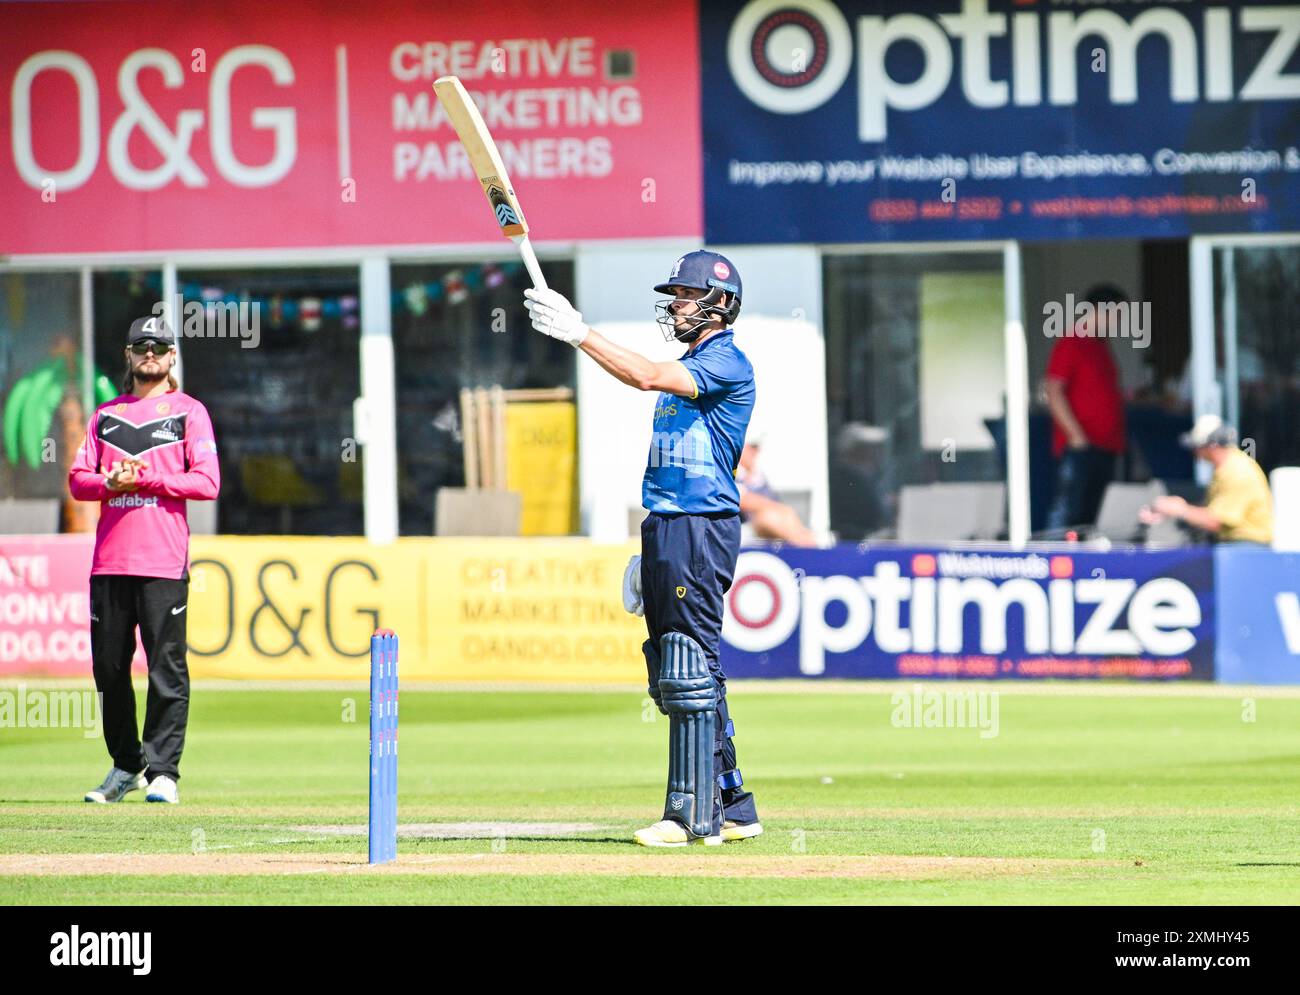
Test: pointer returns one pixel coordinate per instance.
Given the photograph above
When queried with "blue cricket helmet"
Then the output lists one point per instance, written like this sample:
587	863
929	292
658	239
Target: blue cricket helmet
710	272
703	270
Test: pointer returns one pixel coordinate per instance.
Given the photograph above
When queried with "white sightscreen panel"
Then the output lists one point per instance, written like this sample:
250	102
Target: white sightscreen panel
963	375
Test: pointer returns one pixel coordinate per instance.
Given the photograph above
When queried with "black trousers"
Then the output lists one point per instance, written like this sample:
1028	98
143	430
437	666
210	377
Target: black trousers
158	606
687	563
1081	479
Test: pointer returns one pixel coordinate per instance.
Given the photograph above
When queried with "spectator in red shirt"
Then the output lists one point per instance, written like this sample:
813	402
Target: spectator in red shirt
1087	409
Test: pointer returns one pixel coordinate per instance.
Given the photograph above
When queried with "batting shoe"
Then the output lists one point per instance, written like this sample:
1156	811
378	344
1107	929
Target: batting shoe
116	786
733	831
163	789
670	832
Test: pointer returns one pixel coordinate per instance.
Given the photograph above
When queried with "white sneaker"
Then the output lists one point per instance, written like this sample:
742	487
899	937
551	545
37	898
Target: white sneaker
732	831
163	789
670	832
116	786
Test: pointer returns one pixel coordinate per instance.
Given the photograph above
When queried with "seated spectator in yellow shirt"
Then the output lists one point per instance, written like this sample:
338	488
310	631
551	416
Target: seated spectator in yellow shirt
1238	506
760	506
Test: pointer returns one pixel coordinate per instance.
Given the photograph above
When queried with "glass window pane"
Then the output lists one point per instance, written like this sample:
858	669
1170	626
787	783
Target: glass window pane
43	417
1267	319
120	296
913	376
279	379
461	325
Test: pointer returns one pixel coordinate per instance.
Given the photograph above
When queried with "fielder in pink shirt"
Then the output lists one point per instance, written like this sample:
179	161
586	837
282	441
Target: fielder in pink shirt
145	454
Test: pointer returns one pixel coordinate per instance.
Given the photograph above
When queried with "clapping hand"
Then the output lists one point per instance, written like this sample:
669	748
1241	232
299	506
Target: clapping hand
125	475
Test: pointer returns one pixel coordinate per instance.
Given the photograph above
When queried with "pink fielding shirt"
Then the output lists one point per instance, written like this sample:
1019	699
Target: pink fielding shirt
144	533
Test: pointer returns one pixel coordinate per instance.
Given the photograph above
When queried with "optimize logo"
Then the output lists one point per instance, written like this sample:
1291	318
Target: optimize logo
766	602
791	56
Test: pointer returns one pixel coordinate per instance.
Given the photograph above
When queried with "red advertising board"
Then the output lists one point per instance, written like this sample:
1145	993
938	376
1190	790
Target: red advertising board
168	125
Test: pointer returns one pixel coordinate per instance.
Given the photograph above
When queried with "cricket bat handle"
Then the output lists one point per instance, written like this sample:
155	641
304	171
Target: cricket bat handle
530	260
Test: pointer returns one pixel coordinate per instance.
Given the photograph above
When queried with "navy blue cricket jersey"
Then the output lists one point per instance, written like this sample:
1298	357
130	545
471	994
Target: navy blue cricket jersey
696	443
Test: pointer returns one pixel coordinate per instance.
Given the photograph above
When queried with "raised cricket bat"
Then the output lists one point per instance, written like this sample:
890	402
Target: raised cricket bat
486	162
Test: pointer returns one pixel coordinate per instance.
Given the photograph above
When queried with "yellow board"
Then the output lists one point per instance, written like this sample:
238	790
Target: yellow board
542	465
299	608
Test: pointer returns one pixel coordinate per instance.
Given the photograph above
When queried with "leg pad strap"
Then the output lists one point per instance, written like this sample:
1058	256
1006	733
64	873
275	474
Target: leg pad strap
651	652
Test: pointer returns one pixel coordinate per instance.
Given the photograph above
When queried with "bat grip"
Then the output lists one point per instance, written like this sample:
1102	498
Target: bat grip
530	260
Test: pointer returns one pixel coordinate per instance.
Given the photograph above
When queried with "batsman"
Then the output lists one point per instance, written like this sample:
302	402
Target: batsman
691	535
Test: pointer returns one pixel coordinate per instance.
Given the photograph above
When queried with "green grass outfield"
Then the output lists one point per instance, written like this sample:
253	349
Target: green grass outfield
1088	794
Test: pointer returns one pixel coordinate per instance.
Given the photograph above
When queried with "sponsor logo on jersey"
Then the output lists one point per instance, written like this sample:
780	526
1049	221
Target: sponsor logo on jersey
136	440
133	501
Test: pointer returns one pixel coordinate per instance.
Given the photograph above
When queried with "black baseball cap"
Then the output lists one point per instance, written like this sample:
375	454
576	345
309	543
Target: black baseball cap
152	328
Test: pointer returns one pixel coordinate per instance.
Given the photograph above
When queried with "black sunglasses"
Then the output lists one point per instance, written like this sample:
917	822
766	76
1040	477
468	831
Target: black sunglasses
158	348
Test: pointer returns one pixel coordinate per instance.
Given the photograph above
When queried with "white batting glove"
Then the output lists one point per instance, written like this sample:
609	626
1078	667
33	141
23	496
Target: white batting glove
632	601
553	315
